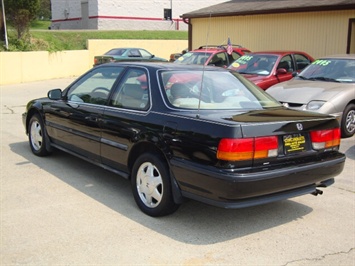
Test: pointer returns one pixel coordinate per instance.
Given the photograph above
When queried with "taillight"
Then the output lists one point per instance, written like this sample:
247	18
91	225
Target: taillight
266	147
323	139
247	149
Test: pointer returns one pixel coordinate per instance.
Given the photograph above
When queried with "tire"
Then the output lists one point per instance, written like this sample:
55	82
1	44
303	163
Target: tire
37	136
151	186
348	121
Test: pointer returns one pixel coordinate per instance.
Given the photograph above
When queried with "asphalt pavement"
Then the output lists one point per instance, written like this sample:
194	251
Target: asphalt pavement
60	210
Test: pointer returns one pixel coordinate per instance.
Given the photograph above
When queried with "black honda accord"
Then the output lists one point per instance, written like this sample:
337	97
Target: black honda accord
179	131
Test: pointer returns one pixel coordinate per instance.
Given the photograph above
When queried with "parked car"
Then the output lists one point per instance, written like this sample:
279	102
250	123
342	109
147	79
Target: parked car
327	86
179	131
271	67
126	54
212	55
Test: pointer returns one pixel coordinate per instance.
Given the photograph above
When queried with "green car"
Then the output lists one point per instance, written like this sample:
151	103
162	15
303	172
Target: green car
126	54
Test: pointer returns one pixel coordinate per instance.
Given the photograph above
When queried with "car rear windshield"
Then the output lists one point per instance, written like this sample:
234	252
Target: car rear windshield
116	52
212	90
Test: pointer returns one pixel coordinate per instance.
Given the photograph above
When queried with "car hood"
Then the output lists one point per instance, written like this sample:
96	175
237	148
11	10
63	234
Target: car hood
254	78
302	91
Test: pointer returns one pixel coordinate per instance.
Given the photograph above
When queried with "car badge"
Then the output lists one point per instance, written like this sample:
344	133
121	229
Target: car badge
299	126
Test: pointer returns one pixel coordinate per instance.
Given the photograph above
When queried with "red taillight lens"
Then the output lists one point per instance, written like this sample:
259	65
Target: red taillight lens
235	149
266	147
323	139
247	149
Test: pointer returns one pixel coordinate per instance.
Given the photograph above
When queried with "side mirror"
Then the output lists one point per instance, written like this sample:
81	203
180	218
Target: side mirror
281	71
55	94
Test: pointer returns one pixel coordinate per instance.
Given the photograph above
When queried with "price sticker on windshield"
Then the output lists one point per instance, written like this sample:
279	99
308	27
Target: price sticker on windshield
322	62
294	143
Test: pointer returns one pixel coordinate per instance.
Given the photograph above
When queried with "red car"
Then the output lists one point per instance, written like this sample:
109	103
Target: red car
271	67
212	55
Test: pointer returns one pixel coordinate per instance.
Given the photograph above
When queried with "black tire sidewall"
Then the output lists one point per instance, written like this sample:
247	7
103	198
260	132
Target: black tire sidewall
42	151
344	132
167	204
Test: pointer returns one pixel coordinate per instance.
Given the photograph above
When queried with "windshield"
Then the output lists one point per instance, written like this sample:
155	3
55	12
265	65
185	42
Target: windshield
213	90
334	70
193	58
254	64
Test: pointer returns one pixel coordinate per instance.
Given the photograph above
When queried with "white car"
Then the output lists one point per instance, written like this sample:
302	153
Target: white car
326	86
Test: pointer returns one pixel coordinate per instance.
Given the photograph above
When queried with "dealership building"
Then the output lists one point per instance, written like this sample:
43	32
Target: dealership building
125	14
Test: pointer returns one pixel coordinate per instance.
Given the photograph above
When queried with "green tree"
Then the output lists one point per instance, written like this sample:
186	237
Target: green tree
45	12
20	13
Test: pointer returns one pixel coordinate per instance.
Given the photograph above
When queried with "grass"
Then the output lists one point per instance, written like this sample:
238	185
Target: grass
42	39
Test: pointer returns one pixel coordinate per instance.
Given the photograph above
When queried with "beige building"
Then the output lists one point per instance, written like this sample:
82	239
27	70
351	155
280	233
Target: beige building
319	27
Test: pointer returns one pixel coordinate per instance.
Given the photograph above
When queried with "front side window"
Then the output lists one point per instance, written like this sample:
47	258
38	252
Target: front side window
145	53
95	86
212	90
286	63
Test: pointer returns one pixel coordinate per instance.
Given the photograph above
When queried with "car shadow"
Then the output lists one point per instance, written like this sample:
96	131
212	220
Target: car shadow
350	153
193	223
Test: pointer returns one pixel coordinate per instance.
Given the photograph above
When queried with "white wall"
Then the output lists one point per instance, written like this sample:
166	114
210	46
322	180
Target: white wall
125	14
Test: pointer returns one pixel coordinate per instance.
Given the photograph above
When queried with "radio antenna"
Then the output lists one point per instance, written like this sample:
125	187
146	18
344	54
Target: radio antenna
203	68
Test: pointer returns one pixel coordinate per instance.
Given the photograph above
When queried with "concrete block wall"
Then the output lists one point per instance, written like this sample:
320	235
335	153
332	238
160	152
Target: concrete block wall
20	67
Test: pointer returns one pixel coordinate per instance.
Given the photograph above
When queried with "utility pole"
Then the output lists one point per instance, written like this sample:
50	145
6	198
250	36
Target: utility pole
4	19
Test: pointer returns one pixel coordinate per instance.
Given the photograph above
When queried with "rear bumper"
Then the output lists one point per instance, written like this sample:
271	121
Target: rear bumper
239	190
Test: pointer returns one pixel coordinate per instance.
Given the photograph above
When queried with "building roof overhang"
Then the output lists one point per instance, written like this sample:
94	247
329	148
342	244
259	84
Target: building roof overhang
257	7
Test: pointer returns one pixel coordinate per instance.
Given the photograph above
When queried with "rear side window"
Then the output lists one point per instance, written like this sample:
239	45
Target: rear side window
301	61
133	91
219	60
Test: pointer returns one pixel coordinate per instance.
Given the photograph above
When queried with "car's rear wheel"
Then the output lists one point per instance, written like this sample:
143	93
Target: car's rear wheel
348	121
151	186
37	137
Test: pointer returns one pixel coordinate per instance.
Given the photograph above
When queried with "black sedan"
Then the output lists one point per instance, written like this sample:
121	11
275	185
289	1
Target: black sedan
179	131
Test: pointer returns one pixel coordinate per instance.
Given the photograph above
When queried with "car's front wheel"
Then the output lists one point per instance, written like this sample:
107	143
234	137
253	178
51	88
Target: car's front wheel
37	137
348	121
151	186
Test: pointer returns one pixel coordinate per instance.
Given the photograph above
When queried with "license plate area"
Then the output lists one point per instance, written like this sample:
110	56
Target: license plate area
294	143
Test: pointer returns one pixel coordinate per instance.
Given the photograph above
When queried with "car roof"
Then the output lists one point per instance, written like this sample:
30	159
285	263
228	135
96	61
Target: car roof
119	48
165	66
339	56
214	48
278	52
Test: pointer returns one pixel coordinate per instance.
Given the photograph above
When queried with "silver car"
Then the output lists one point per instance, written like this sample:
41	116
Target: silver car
326	86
